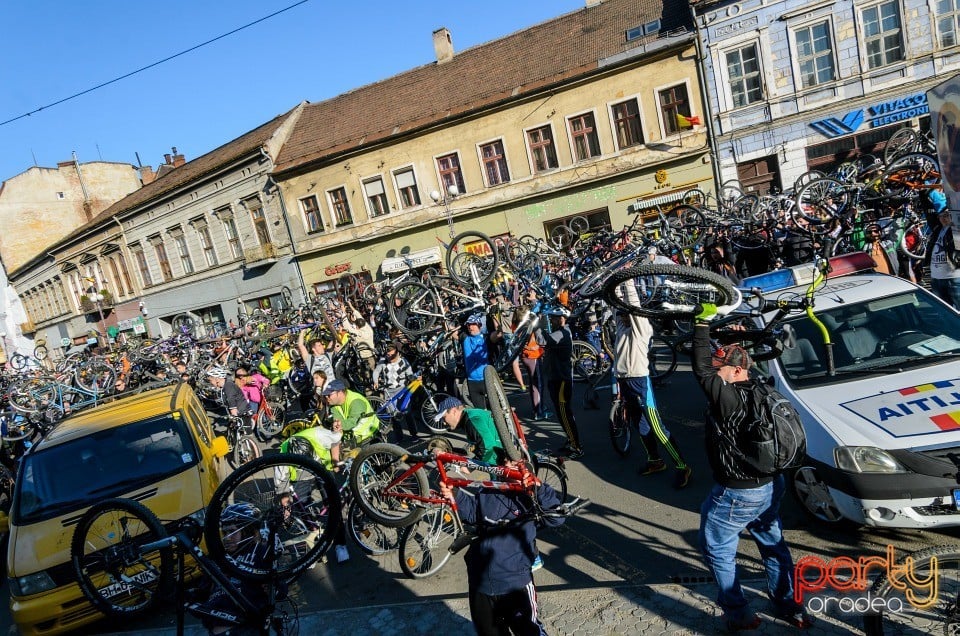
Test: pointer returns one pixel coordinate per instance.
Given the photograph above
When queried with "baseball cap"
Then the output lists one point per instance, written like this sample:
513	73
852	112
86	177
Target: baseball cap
334	386
446	405
732	356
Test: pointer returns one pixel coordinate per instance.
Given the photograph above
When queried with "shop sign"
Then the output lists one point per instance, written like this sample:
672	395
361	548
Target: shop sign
421	258
881	114
333	270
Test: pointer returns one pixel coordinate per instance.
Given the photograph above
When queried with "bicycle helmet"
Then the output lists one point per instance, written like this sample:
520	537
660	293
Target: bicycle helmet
239	513
300	446
475	319
217	371
557	311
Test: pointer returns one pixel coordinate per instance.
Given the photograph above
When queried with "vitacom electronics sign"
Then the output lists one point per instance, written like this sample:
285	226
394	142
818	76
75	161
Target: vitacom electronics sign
878	115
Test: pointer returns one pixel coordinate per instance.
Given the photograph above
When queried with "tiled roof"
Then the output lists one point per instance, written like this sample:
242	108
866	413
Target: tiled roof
565	47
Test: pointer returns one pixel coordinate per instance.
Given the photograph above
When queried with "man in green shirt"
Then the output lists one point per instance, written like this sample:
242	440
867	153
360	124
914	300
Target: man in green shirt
477	425
352	411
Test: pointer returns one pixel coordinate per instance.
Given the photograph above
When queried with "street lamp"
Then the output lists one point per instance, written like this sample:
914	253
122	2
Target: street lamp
451	194
97	298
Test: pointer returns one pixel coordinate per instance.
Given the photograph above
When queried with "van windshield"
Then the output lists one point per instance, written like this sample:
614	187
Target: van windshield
104	464
879	336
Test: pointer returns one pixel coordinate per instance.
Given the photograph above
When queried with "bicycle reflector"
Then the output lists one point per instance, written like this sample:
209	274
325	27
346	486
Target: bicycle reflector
804	274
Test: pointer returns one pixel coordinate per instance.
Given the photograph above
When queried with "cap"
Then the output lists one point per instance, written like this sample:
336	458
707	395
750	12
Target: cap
334	386
475	319
446	405
732	356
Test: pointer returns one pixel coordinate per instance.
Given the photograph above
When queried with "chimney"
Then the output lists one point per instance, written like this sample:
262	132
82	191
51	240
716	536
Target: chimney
166	159
147	175
443	45
178	159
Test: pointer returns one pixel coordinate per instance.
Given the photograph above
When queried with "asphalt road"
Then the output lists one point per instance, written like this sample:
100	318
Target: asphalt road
636	529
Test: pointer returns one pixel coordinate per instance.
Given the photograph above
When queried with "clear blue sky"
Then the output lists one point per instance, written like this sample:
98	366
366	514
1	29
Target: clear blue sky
52	49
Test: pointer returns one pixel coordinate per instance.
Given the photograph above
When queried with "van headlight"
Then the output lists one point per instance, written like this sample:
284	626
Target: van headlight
866	459
31	584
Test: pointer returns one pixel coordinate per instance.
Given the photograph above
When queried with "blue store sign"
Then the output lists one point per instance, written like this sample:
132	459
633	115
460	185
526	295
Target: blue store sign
878	115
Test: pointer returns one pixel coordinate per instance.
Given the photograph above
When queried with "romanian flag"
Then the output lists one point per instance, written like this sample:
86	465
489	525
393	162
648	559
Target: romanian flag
687	122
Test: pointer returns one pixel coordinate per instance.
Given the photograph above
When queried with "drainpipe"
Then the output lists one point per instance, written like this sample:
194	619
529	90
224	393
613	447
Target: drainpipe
286	223
701	77
76	164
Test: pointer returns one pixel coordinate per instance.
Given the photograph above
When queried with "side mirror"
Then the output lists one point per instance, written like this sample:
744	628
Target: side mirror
220	446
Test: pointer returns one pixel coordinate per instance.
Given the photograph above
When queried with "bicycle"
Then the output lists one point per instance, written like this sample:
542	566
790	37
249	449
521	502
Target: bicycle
123	558
241	439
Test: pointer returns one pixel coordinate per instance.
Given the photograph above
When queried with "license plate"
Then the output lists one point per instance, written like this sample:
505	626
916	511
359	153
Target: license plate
956	498
116	589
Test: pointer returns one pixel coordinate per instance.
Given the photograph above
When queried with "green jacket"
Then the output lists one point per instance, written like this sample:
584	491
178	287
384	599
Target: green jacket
480	430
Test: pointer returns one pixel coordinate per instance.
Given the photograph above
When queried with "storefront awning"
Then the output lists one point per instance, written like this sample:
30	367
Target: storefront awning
670	197
420	258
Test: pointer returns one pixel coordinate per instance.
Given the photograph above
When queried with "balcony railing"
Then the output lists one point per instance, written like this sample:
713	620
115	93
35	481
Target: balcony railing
265	252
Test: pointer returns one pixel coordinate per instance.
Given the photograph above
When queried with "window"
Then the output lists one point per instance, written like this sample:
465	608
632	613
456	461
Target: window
340	207
376	197
163	259
142	266
583	133
233	237
259	219
626	124
542	151
494	163
206	245
743	73
125	272
116	277
311	214
948	19
450	175
882	34
673	102
183	251
815	55
406	182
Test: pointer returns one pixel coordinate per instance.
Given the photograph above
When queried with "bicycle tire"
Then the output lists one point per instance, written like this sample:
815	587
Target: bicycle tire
821	201
579	225
513	345
662	357
428	411
371	537
562	237
100	553
244	451
681	286
550	473
694	197
40	352
425	544
586	361
489	259
269	426
619	428
373	469
18	361
184	324
96	375
502	414
34	394
417	312
915	240
14	431
911	620
900	143
305	527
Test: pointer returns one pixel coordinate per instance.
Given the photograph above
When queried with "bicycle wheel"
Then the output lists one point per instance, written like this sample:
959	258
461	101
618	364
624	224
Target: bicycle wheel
96	375
377	489
502	414
34	394
619	428
914	241
105	552
371	537
550	473
413	308
268	424
481	267
662	357
586	361
579	225
666	291
729	193
289	499
425	545
16	427
244	451
386	415
40	352
18	361
694	197
514	343
941	616
900	143
821	201
562	237
184	324
428	411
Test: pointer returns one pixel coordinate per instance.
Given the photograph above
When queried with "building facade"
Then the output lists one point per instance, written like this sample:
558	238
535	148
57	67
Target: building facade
797	85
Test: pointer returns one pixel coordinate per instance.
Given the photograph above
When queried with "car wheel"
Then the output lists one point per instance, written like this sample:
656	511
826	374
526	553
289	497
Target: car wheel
814	496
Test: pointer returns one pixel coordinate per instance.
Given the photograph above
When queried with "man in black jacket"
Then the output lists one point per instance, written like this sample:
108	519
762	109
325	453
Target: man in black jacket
739	498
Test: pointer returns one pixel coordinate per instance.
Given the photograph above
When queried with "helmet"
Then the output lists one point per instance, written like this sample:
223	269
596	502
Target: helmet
476	319
557	311
217	371
300	446
239	513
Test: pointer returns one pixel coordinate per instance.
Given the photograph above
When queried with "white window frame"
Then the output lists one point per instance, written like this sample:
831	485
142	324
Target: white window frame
725	74
483	164
203	235
656	100
613	122
572	147
935	17
396	187
795	51
526	146
862	38
303	214
366	199
436	170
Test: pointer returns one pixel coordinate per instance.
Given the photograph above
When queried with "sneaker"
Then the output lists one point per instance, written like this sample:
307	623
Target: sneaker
546	415
682	478
746	623
342	554
798	618
537	564
652	466
575	453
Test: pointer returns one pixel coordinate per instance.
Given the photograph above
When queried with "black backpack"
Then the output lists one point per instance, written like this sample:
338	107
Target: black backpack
773	440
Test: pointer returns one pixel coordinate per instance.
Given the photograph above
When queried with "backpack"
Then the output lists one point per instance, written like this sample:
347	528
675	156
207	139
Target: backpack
774	440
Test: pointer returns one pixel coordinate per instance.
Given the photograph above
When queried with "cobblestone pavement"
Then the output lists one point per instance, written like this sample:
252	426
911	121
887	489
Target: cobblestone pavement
671	610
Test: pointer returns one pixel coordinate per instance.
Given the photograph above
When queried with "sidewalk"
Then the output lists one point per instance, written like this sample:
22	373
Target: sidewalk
673	610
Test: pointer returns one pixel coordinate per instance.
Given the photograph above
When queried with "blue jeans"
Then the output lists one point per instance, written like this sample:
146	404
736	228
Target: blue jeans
725	513
948	289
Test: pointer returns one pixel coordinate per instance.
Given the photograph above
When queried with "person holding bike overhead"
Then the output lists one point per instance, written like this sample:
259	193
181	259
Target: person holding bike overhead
476	355
558	370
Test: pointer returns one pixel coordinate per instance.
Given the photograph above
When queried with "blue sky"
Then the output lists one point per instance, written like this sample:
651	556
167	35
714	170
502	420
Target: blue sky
52	49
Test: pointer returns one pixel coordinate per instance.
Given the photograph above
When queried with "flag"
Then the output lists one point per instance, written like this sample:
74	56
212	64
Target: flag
687	122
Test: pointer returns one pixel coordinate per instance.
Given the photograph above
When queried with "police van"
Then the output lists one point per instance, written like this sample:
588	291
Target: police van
883	426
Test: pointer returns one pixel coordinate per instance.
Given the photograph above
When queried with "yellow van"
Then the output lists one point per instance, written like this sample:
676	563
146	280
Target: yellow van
156	447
